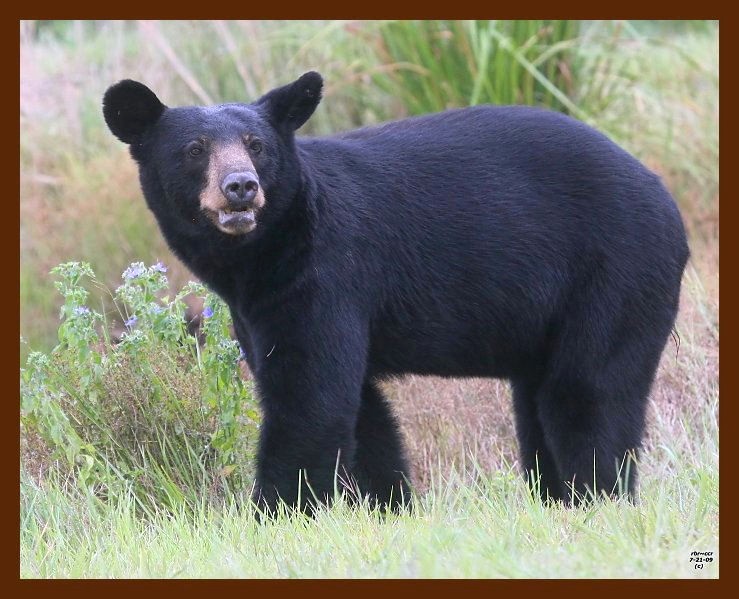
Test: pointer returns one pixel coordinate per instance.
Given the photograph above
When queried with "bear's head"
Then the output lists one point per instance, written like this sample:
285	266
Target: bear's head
232	168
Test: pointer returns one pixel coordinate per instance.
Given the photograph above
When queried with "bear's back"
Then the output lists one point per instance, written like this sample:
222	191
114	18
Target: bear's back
532	170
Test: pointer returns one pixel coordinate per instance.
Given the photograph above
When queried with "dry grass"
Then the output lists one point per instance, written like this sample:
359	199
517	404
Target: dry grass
447	421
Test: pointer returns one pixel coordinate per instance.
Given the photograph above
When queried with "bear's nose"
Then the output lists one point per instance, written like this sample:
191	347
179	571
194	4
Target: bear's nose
239	189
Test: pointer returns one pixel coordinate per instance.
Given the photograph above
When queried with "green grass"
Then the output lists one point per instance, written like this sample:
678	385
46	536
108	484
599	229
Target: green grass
486	529
437	65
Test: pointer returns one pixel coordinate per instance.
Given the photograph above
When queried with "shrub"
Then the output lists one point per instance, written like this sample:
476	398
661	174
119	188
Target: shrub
154	414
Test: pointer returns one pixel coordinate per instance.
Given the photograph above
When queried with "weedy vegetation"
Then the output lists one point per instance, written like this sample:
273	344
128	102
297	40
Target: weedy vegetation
137	437
155	416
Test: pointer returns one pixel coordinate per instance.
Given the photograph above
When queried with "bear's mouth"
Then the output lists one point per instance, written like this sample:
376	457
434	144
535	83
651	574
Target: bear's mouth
235	222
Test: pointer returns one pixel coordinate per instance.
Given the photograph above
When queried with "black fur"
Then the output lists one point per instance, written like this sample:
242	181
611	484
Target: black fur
490	241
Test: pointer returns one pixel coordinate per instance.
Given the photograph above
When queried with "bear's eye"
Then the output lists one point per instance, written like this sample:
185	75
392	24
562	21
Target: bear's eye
194	149
255	146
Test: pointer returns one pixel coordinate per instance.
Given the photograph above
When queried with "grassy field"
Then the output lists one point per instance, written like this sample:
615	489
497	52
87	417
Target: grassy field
652	86
488	529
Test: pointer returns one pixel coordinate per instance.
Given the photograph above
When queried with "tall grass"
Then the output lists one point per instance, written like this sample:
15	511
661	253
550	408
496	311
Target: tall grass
450	64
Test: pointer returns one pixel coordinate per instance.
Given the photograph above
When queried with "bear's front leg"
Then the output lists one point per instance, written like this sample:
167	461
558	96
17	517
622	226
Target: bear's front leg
302	460
309	379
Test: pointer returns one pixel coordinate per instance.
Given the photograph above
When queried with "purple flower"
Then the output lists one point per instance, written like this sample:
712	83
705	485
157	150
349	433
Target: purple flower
131	322
80	310
135	270
159	267
157	310
207	312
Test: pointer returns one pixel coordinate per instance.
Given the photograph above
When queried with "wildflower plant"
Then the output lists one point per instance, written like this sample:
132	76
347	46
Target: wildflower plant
153	413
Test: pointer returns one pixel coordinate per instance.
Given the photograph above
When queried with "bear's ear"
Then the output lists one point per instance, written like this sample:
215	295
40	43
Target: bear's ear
130	109
288	107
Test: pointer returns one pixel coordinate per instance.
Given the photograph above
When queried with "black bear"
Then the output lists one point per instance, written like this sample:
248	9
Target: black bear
507	242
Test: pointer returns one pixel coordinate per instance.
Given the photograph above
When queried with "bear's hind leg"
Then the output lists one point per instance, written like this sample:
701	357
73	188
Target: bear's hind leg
537	461
595	433
380	466
593	399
